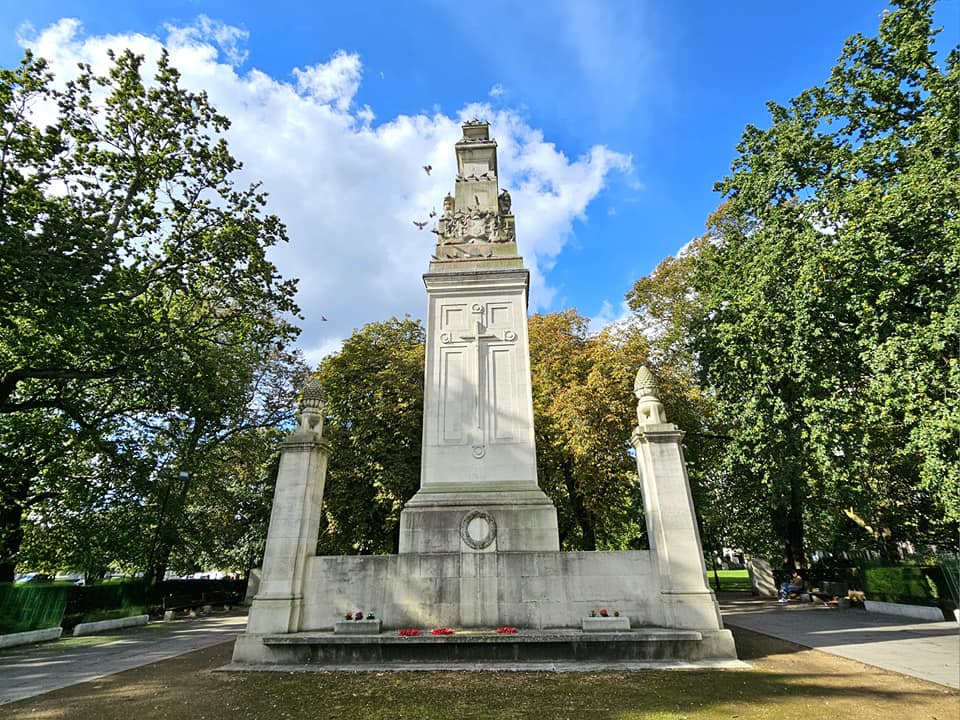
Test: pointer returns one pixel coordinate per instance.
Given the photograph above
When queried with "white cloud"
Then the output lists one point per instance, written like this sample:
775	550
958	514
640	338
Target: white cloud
348	189
336	81
228	39
497	91
608	315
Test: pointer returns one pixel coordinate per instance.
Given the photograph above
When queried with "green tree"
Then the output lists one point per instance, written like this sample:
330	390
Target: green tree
132	269
176	489
374	404
830	297
584	412
224	524
245	391
669	307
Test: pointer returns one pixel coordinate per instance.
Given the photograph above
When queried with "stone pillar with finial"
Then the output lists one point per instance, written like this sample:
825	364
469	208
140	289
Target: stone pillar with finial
668	506
294	520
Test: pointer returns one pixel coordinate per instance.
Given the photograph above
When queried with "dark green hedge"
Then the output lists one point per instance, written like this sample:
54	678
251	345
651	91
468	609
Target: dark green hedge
39	606
911	584
86	599
31	606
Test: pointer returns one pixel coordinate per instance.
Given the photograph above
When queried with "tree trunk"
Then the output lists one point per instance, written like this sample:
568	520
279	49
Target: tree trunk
795	521
12	501
588	530
11	535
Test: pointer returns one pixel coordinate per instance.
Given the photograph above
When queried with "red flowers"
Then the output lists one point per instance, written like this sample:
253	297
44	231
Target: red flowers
604	613
409	632
358	616
442	631
506	630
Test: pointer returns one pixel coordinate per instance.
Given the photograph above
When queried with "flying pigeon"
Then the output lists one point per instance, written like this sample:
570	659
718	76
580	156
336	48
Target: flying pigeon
433	213
323	318
427	169
420	225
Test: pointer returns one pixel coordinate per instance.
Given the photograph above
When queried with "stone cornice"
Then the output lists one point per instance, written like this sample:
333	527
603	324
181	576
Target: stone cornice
469	281
304	442
666	432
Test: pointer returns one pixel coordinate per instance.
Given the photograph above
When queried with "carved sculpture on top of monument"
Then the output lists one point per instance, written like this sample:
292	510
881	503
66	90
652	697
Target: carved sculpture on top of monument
477	223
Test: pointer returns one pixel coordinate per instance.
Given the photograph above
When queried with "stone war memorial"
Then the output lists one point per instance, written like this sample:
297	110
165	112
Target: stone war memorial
479	547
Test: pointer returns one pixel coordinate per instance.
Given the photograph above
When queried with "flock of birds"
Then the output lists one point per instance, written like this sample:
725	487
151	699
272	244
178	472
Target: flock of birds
422	224
433	213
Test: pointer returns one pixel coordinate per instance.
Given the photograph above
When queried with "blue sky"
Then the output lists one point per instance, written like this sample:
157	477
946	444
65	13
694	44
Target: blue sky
615	118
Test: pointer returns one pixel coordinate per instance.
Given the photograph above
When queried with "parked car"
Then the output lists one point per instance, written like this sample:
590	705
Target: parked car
33	577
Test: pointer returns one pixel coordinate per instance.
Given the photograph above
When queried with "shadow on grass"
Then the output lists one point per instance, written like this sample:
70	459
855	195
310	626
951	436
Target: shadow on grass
754	646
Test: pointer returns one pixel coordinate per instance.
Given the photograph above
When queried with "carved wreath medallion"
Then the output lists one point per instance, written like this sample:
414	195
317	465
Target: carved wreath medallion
478	529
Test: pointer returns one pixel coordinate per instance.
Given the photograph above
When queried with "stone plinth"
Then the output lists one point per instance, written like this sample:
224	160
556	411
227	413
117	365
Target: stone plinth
671	520
604	624
294	522
357	627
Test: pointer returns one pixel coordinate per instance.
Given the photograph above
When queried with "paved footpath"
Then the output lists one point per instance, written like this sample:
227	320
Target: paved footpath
30	670
925	650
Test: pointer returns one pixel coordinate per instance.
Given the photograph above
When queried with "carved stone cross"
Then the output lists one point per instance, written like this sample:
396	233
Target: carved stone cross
479	334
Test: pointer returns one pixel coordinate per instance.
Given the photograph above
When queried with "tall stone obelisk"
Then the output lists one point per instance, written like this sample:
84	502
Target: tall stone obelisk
478	483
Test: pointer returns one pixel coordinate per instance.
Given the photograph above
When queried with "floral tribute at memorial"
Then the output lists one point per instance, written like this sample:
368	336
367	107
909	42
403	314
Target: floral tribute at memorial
604	613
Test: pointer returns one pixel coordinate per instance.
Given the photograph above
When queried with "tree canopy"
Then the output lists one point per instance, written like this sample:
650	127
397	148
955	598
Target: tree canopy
135	286
374	403
823	303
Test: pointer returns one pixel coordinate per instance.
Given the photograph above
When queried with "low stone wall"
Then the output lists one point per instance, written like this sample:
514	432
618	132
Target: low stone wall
532	590
921	612
535	590
30	637
92	628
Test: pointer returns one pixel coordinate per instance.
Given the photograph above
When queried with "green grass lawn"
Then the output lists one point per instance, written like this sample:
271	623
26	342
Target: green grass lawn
730	580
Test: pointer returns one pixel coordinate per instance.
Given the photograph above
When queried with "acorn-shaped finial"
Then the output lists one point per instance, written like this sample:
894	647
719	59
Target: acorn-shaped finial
646	384
312	394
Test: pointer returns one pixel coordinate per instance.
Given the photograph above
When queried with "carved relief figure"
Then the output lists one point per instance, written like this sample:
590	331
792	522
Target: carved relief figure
475	228
504	203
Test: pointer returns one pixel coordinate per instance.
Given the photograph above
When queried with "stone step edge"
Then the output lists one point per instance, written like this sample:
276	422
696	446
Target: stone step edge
523	636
